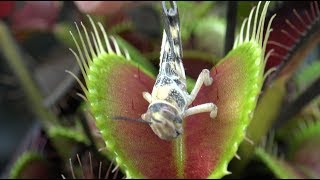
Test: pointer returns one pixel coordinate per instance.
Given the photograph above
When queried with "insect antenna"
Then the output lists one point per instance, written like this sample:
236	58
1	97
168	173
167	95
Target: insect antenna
130	119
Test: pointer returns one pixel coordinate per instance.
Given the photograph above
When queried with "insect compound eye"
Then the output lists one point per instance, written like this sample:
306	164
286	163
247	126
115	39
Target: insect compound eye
162	112
168	114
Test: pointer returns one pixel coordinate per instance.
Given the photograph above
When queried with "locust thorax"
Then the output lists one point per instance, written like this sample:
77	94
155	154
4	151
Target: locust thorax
164	119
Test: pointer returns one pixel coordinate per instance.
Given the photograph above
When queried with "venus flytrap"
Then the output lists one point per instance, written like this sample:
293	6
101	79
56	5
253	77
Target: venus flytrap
296	163
27	161
268	153
290	50
114	85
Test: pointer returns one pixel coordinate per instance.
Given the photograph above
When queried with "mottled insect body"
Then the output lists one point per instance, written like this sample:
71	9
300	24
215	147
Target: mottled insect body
169	99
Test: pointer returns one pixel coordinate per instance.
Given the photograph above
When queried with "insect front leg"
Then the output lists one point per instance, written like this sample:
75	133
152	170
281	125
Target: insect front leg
147	96
203	78
207	107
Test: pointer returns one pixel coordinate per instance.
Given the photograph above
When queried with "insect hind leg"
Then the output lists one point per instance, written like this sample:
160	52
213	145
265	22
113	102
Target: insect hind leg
204	78
207	107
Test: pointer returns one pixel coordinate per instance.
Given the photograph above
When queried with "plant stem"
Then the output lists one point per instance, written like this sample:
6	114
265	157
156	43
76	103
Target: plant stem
296	106
231	25
15	60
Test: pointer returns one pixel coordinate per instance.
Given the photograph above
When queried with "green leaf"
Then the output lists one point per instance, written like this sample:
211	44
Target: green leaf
267	109
210	35
307	75
136	56
281	168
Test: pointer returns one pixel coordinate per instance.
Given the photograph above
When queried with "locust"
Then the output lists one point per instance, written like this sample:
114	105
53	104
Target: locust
169	99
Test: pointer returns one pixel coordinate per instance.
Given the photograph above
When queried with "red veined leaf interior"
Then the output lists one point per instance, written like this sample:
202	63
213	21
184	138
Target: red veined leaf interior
117	91
294	32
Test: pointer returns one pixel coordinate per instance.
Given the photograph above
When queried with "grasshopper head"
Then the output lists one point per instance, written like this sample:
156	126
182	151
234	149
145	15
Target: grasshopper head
165	120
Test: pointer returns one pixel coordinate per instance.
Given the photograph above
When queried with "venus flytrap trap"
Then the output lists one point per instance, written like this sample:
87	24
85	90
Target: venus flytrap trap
86	166
295	35
296	163
29	160
303	148
114	84
267	152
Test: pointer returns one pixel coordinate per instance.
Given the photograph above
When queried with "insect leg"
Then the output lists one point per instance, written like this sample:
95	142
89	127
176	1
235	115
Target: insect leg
207	107
204	78
147	96
172	27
